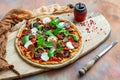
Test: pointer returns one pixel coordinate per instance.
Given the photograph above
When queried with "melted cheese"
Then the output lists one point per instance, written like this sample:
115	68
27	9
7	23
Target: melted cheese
44	56
69	45
34	31
27	44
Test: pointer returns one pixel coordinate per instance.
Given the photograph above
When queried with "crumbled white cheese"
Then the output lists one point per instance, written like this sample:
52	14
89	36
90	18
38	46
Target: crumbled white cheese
69	45
52	38
46	20
44	56
61	25
27	44
34	31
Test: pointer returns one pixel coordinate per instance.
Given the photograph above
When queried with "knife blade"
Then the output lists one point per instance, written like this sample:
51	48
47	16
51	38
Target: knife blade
90	63
107	48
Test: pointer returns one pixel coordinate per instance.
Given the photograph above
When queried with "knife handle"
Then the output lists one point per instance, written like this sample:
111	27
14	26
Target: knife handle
87	66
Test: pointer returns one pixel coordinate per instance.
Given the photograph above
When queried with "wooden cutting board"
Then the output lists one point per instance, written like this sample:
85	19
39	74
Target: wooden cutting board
94	31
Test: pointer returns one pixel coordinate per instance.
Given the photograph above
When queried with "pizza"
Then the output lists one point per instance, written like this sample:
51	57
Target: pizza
50	42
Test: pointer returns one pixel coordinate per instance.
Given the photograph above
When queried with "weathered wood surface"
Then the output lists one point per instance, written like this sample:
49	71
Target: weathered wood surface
108	68
99	31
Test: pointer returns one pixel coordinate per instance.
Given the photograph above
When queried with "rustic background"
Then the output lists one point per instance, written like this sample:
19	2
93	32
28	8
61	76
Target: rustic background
108	67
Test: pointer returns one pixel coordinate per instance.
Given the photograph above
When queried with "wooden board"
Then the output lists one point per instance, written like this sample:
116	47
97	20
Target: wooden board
94	33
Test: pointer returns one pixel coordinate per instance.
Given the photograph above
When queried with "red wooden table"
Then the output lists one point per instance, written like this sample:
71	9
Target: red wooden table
108	67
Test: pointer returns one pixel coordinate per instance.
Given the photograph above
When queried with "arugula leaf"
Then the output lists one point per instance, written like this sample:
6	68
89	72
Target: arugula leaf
66	32
48	44
39	27
25	38
39	36
58	45
75	37
59	49
51	53
54	22
39	47
40	41
49	33
56	31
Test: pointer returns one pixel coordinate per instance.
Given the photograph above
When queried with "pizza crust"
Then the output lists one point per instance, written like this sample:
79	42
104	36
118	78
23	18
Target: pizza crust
49	64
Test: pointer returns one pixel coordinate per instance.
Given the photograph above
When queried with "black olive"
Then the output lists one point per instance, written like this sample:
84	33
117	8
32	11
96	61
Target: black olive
59	55
22	43
36	24
35	44
46	28
67	54
28	32
31	37
37	55
70	31
46	48
62	34
45	38
31	47
39	50
30	26
39	32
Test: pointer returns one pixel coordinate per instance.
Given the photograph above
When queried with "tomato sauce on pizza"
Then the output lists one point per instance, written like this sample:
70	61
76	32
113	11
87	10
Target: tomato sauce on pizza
48	40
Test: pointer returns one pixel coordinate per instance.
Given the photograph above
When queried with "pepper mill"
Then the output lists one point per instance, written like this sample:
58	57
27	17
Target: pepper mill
80	12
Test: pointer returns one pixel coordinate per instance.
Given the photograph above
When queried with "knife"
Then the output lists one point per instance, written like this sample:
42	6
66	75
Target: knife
90	63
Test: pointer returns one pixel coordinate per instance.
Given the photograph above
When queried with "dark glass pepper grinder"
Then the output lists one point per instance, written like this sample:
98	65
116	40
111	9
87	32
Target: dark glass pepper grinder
80	12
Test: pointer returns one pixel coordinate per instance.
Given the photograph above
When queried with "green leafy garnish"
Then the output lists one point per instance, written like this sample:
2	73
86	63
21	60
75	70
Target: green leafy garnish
58	45
49	33
51	53
59	49
66	32
39	36
25	38
39	47
48	44
40	41
57	30
54	22
39	27
75	37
